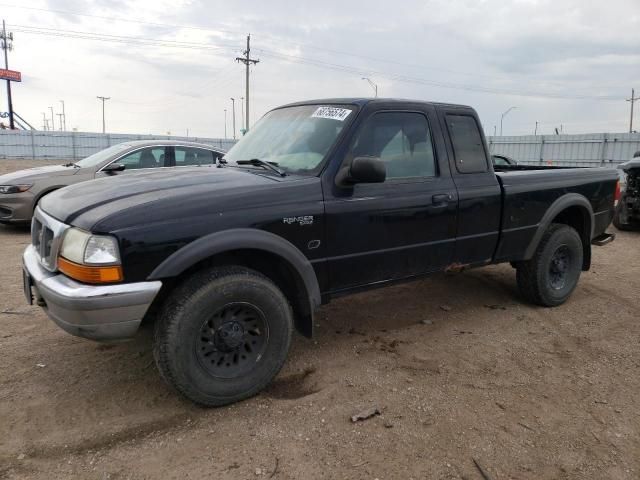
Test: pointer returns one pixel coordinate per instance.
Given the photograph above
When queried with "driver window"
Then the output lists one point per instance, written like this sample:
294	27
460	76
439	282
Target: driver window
144	158
401	140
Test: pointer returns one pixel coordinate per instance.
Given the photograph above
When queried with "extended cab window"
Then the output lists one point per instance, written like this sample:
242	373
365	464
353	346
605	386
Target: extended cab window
144	158
401	140
186	156
467	144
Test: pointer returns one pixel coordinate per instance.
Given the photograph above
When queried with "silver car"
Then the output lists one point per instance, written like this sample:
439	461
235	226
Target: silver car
20	191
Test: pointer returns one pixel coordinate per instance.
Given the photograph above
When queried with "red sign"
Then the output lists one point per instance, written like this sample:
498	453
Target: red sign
10	75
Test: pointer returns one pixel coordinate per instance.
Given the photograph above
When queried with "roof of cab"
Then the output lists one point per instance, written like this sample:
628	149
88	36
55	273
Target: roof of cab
362	101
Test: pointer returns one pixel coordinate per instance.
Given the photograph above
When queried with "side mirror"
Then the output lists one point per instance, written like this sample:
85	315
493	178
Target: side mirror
365	170
114	167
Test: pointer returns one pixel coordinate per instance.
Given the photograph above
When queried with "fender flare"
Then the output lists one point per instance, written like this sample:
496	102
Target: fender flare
560	204
240	239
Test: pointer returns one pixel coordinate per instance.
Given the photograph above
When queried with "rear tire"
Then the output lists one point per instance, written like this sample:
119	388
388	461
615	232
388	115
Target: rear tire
550	277
223	335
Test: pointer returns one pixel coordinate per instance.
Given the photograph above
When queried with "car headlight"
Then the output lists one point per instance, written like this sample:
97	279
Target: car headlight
90	258
15	188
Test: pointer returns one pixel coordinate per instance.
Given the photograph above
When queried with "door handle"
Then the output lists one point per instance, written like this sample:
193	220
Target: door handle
440	200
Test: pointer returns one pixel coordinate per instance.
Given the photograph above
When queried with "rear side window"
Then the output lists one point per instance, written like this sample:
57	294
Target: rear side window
187	156
467	144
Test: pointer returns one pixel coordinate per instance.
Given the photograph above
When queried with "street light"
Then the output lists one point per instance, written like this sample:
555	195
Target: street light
233	104
64	117
502	118
104	99
373	85
53	123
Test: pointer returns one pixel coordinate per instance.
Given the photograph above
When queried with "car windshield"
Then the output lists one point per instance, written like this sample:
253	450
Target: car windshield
102	155
296	139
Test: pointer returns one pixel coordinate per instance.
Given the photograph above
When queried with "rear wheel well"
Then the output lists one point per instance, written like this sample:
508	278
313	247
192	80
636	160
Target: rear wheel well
579	219
272	266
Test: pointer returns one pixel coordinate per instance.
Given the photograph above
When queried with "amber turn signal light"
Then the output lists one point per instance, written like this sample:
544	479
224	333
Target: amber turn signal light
90	274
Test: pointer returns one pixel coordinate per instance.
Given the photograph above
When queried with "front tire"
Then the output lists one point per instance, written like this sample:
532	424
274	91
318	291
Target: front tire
223	335
549	278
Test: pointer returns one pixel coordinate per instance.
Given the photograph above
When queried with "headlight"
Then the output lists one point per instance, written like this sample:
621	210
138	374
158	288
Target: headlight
90	258
14	188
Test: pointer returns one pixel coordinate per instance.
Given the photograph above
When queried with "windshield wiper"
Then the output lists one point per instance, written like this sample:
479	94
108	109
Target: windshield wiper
273	166
71	164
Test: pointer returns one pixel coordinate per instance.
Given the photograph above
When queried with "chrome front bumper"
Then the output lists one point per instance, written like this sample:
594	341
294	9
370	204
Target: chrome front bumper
98	312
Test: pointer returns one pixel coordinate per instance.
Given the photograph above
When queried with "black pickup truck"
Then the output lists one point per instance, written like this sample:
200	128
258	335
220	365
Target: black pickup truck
320	199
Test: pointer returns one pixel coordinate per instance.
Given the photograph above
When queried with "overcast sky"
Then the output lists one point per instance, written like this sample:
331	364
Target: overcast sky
570	63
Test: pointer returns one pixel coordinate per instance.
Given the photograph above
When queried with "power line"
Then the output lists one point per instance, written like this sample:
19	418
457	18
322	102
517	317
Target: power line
632	100
247	60
118	19
217	29
313	62
421	81
120	38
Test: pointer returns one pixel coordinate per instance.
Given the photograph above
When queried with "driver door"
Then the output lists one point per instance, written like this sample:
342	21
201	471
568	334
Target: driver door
404	226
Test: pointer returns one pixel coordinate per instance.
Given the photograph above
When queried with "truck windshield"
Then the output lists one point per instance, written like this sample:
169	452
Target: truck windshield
296	139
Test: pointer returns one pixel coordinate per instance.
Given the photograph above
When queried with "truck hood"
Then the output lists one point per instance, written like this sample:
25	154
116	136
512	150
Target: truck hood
122	201
31	174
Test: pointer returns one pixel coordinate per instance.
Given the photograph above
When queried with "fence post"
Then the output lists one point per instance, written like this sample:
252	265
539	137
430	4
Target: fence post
74	153
541	155
603	149
33	145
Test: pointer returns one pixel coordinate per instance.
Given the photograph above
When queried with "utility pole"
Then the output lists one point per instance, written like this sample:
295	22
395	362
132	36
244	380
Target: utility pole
104	99
632	100
233	107
247	60
7	44
373	85
494	131
53	123
64	117
242	111
60	119
44	121
225	123
535	132
502	117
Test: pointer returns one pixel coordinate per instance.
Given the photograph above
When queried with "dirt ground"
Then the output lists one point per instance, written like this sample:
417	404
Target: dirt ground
459	366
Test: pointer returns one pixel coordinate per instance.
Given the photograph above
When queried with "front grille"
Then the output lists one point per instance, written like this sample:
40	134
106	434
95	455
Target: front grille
46	235
36	230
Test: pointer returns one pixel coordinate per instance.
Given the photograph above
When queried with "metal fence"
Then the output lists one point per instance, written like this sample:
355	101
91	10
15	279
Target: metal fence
591	150
43	145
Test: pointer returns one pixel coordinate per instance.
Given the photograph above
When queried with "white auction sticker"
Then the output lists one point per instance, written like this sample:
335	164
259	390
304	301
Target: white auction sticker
334	113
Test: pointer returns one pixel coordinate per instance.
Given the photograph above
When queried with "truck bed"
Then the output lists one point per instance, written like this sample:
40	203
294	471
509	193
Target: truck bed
528	191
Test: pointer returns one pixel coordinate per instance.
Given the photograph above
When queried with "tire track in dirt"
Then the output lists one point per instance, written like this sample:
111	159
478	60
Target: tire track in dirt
132	434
